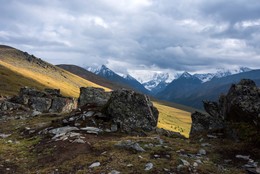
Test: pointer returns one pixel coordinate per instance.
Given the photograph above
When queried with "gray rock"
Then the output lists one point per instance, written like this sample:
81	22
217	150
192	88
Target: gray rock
53	92
114	172
92	130
244	157
9	106
242	103
89	114
79	141
62	130
40	104
63	105
35	113
91	95
202	152
96	164
27	91
130	145
185	163
5	135
131	111
205	123
114	128
148	166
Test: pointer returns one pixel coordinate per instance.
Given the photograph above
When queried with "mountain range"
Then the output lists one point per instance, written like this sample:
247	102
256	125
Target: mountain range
185	89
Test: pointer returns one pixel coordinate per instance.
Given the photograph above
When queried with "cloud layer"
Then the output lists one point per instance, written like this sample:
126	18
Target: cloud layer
133	35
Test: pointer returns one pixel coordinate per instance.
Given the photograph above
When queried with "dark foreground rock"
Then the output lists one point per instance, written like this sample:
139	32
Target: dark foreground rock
93	96
47	101
132	111
205	123
237	114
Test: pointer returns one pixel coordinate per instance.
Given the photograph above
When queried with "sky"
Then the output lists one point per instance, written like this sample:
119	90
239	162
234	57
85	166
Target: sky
136	36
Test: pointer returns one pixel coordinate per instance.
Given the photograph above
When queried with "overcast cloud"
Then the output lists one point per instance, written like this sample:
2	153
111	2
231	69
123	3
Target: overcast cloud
129	35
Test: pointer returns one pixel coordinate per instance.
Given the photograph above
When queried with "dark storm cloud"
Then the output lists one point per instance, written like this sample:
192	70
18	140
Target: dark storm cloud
166	34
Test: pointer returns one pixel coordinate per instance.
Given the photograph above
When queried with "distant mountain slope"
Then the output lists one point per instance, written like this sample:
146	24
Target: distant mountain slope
179	88
82	72
209	90
18	69
128	80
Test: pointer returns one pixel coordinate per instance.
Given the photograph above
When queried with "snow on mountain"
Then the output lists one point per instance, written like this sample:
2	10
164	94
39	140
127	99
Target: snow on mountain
204	77
221	73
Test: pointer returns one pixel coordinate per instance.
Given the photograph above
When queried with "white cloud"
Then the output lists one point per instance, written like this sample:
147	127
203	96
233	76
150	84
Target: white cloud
131	35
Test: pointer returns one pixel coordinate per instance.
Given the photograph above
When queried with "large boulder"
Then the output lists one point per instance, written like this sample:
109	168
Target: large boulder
242	103
49	100
203	123
40	104
63	105
91	95
131	111
240	106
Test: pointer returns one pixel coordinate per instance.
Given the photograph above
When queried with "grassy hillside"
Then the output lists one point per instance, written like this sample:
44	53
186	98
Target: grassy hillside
18	69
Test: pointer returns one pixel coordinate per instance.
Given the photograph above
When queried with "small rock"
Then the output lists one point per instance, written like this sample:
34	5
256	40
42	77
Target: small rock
9	141
166	170
195	164
243	157
96	164
198	161
8	169
129	165
148	166
114	172
202	152
227	161
156	156
35	113
212	136
92	130
205	144
128	144
79	141
185	163
113	128
180	167
62	130
5	135
89	114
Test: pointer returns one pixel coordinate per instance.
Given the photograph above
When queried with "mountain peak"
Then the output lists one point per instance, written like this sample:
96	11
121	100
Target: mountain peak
186	75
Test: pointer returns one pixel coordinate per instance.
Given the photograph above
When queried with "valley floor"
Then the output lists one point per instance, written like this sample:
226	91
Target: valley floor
24	148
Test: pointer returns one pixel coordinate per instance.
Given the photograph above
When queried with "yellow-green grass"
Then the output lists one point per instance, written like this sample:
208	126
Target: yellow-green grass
12	60
174	119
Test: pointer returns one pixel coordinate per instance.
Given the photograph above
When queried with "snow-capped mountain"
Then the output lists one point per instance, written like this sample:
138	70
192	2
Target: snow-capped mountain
156	80
221	73
128	80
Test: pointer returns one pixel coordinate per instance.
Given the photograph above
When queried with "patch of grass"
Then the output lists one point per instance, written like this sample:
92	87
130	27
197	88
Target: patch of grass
174	119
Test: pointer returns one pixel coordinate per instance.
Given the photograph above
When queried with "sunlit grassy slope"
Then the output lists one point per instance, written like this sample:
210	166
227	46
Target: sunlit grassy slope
41	74
174	119
16	71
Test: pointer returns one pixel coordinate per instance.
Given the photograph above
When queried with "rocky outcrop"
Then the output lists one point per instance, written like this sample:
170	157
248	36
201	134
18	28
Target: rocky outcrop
205	123
93	96
131	111
47	101
240	105
121	110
